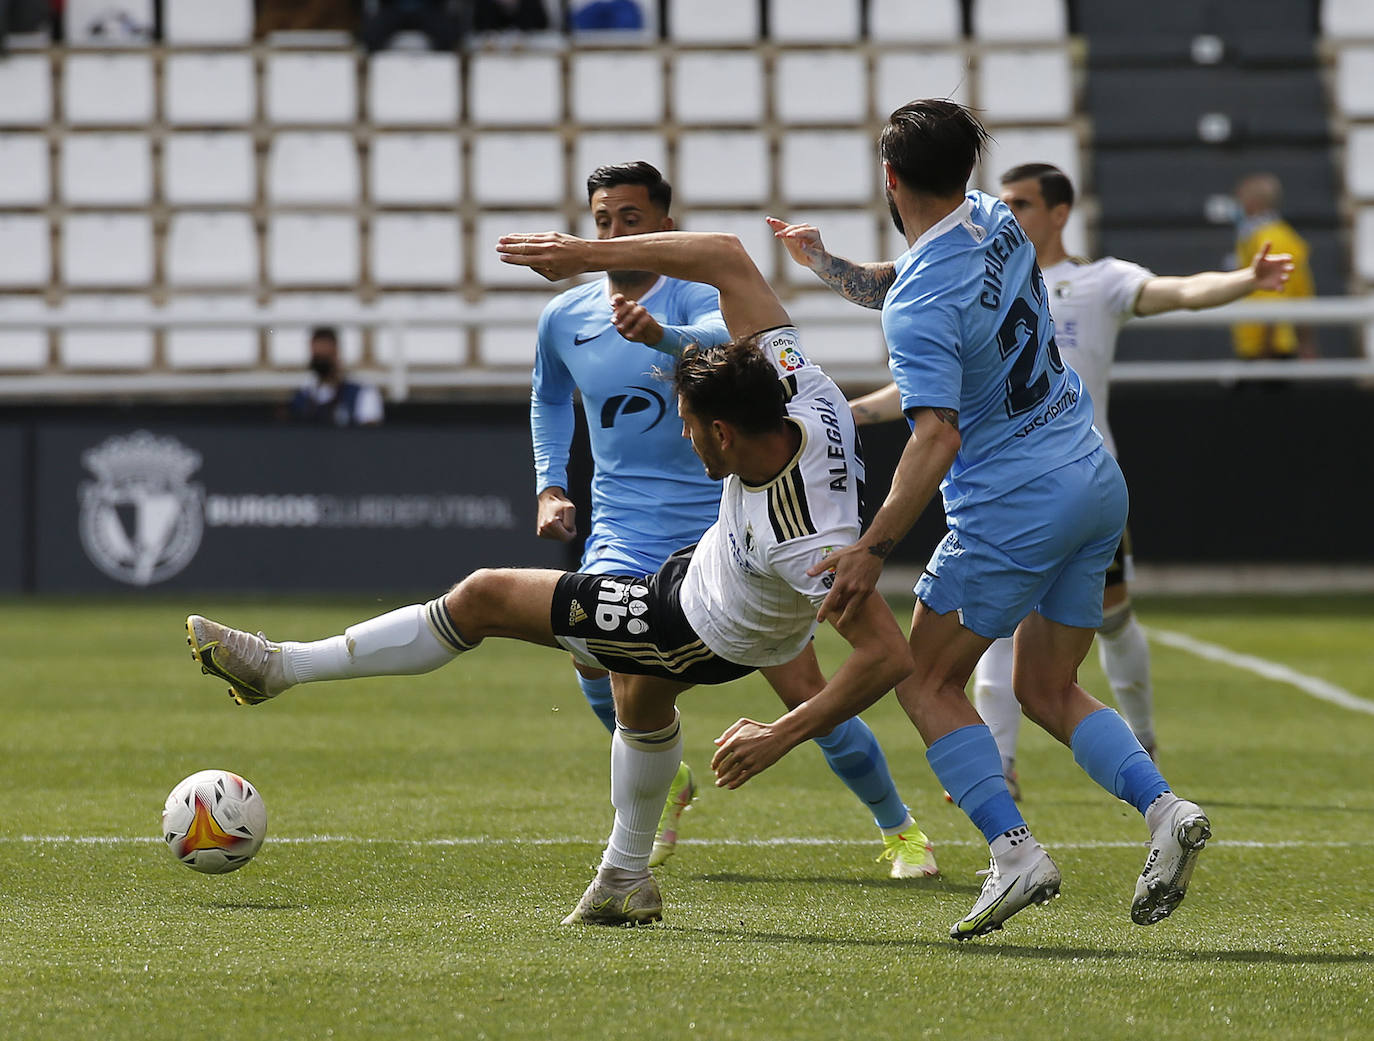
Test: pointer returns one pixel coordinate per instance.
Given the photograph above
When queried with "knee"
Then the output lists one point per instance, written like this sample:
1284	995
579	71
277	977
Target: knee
474	596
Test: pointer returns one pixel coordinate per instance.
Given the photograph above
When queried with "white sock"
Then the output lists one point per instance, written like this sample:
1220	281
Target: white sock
1158	812
400	643
1125	658
995	700
1013	850
907	825
643	765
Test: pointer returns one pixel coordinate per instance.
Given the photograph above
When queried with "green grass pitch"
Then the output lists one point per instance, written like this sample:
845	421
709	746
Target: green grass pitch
427	834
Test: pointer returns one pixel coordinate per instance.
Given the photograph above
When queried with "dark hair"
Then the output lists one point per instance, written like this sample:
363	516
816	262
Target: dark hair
733	382
640	172
325	332
1055	185
933	145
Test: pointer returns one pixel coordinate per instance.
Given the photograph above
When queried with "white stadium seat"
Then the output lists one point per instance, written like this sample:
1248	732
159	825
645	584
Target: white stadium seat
108	89
1359	161
746	225
716	88
518	168
847	233
415	169
209	90
107	249
107	23
856	341
217	249
1364	243
490	227
1355	82
25	174
1015	146
901	77
22	348
209	168
416	249
25	251
729	167
829	166
515	89
312	250
820	87
313	168
288	346
713	21
599	148
106	169
198	22
230	347
1017	21
1025	85
25	90
318	87
805	21
409	89
423	345
905	21
1348	19
105	348
617	88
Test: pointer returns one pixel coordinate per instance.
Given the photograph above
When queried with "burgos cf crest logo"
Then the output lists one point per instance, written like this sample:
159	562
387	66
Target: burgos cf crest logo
141	518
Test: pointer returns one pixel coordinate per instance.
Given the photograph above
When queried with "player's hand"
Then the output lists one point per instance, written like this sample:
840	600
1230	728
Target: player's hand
803	241
856	572
745	750
633	322
1271	273
557	517
552	254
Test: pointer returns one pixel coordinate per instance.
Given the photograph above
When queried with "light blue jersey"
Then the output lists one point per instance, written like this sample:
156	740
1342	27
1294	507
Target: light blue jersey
968	327
650	494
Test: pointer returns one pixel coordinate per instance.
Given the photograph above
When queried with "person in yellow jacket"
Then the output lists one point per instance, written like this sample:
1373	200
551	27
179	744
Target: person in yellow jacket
1258	197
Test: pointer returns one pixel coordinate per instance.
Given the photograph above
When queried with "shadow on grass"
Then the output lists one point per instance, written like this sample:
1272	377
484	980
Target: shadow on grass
911	885
249	905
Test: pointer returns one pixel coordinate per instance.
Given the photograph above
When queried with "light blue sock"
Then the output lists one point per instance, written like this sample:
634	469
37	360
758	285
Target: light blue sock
857	759
599	697
969	766
1109	753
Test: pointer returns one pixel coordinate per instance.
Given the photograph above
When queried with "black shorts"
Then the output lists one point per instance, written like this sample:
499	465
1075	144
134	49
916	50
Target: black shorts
1116	570
636	626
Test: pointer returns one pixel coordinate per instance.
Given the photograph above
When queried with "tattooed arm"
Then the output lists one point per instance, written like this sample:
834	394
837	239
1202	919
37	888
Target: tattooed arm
864	284
926	459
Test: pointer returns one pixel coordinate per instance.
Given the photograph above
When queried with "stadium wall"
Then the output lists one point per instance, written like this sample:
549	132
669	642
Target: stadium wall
214	500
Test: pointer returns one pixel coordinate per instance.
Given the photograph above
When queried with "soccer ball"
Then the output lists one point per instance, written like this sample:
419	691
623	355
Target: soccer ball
214	821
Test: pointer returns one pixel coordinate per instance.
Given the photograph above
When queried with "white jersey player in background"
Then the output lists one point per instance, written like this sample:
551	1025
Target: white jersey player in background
1090	300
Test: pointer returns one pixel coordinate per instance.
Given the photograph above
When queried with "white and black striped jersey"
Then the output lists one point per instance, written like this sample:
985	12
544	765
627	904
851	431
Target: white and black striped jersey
747	593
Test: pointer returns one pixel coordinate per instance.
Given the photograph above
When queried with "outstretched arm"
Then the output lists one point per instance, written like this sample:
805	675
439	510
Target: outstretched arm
864	284
747	301
879	406
1214	288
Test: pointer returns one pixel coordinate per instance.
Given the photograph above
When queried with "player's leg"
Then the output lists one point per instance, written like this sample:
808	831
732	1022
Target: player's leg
419	638
996	703
645	753
1124	652
856	758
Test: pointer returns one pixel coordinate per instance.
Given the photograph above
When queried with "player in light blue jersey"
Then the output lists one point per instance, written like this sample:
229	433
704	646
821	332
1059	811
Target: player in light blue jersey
1035	506
609	340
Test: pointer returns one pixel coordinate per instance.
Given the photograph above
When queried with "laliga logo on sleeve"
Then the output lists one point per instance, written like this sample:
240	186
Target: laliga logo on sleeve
141	518
790	358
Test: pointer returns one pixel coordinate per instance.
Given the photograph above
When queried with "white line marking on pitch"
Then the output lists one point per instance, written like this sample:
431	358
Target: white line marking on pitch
479	840
1270	670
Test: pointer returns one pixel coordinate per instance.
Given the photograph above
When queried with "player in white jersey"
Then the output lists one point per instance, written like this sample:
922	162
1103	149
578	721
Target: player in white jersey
1090	301
776	430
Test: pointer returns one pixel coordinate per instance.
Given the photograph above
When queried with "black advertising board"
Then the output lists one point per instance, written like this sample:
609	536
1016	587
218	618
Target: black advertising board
234	508
14	515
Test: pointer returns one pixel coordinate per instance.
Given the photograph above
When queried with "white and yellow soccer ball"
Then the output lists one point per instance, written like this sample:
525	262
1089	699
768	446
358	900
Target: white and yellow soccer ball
214	821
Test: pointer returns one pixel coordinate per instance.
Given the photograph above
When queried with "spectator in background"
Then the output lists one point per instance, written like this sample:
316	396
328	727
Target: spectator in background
441	21
494	16
25	16
331	398
605	14
1258	198
279	15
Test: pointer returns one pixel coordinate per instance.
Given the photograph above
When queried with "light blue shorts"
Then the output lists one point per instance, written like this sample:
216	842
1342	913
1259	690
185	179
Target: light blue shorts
1043	547
606	556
